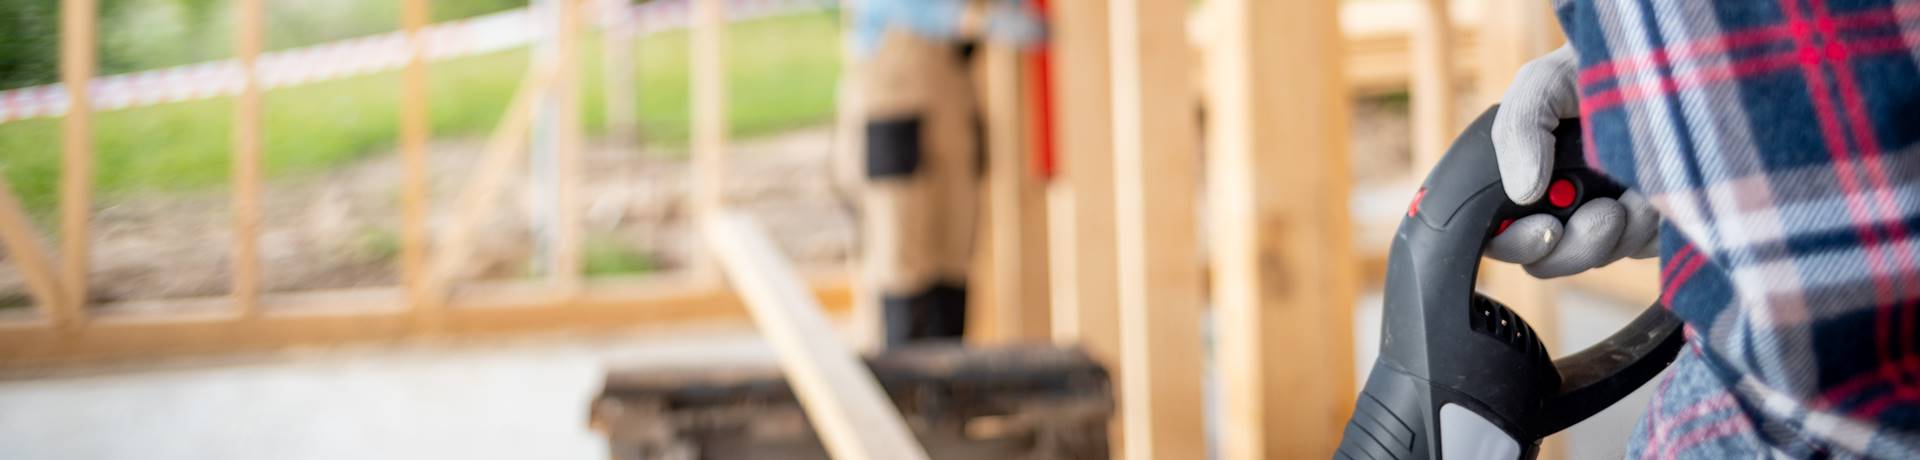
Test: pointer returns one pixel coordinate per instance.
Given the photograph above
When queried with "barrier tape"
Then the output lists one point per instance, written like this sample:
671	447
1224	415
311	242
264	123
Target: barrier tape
357	56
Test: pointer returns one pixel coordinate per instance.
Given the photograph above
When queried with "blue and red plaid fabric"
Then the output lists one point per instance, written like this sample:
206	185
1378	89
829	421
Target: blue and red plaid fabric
1780	139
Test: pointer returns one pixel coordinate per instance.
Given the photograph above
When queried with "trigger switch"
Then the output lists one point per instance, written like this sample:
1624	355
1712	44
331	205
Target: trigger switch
1561	193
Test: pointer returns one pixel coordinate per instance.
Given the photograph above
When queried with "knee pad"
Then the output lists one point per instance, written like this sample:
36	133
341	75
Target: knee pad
894	149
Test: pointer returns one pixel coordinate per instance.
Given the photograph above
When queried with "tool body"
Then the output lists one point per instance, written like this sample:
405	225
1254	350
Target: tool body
1461	376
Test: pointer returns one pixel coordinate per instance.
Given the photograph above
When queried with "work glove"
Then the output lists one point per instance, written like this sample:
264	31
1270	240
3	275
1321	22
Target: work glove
1603	230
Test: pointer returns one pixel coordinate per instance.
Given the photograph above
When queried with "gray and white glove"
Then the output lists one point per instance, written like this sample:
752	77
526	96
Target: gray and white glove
1603	230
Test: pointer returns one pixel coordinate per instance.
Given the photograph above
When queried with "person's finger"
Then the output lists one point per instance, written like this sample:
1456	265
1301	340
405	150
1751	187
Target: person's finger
1542	93
1647	251
1590	236
1526	240
1643	225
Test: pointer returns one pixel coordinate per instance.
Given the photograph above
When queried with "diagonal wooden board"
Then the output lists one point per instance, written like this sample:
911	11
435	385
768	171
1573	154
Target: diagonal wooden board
843	400
17	234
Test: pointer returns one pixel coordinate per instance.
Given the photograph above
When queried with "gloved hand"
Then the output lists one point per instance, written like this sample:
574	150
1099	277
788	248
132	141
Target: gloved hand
1602	230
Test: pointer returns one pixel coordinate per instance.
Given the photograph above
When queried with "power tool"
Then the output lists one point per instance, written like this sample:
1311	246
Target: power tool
1460	376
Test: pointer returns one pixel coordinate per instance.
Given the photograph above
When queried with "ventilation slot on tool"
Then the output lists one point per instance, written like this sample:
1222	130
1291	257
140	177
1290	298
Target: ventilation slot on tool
1497	321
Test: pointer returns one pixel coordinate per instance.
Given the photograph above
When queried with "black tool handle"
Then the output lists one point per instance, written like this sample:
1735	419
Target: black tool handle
1461	375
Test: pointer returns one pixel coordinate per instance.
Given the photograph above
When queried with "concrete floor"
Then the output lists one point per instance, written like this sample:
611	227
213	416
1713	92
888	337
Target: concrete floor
518	399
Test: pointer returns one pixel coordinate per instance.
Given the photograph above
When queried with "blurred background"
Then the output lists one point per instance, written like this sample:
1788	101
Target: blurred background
454	229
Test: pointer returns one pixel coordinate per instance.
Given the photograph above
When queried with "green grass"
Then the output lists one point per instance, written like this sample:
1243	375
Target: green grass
782	74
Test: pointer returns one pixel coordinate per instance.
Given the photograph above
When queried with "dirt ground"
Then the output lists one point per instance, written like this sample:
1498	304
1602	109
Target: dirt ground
340	229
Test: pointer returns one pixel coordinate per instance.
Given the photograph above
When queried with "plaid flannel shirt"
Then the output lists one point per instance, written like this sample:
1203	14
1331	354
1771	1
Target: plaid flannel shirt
1780	140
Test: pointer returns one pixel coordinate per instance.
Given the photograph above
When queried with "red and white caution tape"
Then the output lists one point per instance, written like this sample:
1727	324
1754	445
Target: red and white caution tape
353	57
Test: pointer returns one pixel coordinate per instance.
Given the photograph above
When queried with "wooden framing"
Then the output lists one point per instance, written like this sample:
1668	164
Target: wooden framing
1433	110
1017	310
1160	289
379	315
709	87
23	246
248	41
852	415
568	242
414	133
1283	272
1081	200
707	80
617	78
76	157
476	200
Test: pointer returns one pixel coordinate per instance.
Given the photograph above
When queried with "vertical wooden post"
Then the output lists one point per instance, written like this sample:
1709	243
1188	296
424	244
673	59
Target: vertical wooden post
1161	292
1283	270
246	158
1019	257
566	270
414	132
76	157
1431	44
617	48
1084	302
1513	33
709	88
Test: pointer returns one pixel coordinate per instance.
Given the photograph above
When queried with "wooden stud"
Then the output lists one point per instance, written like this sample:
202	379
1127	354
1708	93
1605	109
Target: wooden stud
1160	287
1431	43
1084	302
852	415
23	246
708	81
1283	272
568	268
76	156
617	80
415	201
476	201
709	87
1018	257
249	37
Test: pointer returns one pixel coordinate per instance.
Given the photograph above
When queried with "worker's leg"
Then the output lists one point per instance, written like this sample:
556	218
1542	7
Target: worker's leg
955	175
899	224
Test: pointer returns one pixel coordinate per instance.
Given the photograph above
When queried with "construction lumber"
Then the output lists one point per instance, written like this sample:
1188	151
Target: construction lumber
23	246
477	200
77	42
415	202
1160	289
250	38
1081	204
1283	274
852	415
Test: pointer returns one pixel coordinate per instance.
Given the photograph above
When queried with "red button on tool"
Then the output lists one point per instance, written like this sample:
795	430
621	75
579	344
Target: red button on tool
1503	226
1415	207
1560	194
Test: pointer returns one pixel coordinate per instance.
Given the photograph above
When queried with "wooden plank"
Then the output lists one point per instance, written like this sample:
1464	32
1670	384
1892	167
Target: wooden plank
1160	288
1082	235
477	199
23	246
1018	261
76	156
415	202
1283	272
568	239
248	41
848	409
708	83
377	315
1433	110
619	86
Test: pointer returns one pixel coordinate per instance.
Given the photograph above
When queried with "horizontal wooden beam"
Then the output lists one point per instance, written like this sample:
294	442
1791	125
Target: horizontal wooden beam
377	315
